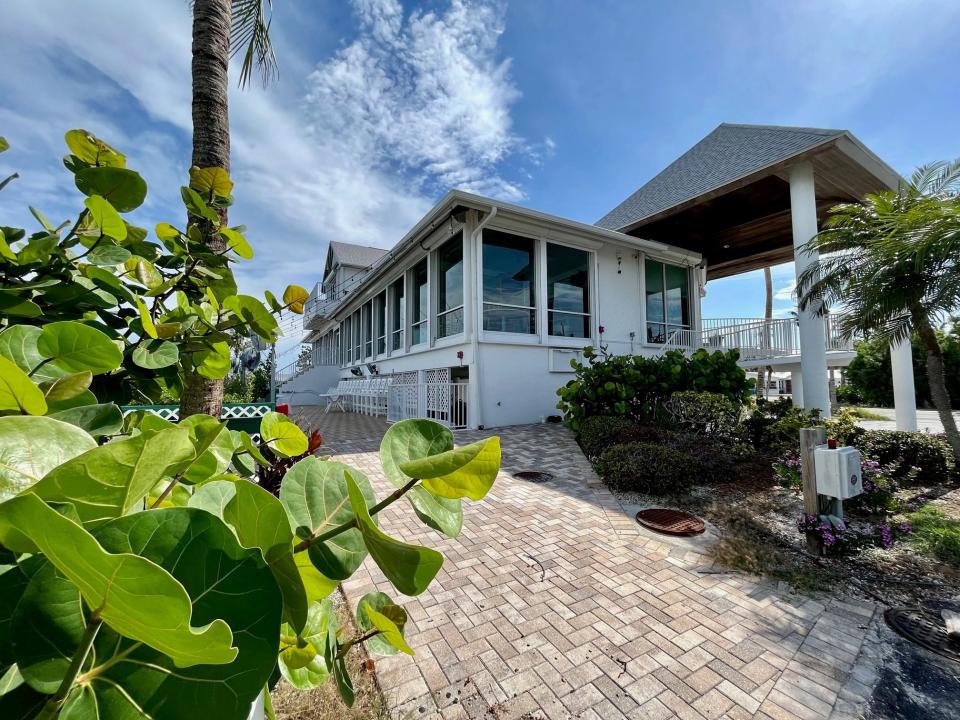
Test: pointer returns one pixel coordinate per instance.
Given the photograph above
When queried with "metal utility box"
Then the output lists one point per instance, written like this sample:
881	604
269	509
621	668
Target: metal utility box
838	472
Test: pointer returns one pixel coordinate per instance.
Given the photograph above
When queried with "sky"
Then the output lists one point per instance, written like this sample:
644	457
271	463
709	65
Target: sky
381	107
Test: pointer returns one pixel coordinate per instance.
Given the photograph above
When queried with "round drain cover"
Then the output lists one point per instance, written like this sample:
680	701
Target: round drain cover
534	476
671	522
924	627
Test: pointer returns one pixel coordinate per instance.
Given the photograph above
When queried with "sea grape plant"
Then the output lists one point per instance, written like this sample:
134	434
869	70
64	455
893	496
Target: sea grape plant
142	573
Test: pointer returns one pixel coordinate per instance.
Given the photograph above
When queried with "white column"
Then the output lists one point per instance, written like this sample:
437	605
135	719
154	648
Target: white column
904	398
796	388
813	346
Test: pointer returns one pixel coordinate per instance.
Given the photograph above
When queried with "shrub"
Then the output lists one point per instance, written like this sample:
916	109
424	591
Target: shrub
705	413
646	468
936	534
929	453
714	459
776	425
645	434
843	426
636	387
599	432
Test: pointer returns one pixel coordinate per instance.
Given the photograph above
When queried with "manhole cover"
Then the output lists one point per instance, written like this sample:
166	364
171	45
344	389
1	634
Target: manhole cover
924	627
534	476
671	522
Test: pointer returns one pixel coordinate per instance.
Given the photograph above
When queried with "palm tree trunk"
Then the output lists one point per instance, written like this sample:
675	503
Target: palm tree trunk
764	372
211	148
937	380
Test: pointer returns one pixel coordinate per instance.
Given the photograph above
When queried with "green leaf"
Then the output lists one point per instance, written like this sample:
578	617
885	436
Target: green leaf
30	447
145	319
302	660
237	242
314	492
67	387
134	596
214	362
377	611
105	218
283	435
5	249
18	343
17	391
75	347
171	238
107	254
92	150
84	398
272	301
412	439
211	180
317	585
410	568
98	420
124	189
246	442
4	145
156	354
13	305
113	479
224	583
295	296
254	314
196	206
213	448
259	521
144	271
467	471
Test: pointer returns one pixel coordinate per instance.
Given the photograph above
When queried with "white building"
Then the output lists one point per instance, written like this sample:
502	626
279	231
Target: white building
474	315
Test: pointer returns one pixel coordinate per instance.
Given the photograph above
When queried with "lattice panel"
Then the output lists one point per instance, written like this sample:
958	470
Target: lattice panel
436	375
406	378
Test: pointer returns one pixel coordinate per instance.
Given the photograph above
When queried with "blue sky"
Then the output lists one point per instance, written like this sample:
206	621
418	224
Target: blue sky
381	107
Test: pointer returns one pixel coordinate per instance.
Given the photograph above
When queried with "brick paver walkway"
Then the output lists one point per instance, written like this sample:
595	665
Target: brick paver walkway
552	605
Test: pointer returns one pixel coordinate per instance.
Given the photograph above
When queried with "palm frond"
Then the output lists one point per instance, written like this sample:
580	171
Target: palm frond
250	34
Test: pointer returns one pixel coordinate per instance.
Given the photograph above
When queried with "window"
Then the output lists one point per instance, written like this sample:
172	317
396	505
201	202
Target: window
356	336
667	300
508	283
398	315
421	305
367	330
450	287
380	320
568	295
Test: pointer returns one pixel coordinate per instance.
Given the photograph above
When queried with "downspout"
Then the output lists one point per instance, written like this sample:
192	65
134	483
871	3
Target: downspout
478	317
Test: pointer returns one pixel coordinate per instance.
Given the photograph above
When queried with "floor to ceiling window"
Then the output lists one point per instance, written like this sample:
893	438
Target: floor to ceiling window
450	287
367	330
667	300
568	291
380	321
508	283
398	314
420	325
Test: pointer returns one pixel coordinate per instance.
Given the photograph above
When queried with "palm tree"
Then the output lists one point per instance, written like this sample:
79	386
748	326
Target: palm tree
764	372
221	29
893	261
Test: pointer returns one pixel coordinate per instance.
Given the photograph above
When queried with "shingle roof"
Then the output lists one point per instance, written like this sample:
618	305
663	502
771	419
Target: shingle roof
355	255
728	153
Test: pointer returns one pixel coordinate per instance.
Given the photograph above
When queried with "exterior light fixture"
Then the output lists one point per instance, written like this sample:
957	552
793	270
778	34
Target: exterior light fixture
601	328
460	357
356	372
372	369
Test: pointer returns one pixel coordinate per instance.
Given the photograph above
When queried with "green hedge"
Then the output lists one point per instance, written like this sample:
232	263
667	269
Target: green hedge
930	453
646	468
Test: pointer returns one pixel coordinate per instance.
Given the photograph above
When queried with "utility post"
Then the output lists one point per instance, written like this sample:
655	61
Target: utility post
273	372
810	438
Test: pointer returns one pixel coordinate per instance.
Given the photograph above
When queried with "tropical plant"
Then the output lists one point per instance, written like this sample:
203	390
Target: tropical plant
647	468
142	574
705	413
925	459
891	261
637	387
221	28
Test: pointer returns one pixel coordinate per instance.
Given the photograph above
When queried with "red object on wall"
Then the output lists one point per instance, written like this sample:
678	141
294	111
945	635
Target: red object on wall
283	408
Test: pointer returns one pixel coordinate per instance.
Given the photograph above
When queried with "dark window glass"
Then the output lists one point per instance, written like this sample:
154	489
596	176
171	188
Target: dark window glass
367	332
568	300
380	320
667	300
421	304
398	315
508	283
450	287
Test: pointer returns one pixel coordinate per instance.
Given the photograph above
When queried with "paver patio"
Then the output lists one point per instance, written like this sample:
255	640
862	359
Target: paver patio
551	604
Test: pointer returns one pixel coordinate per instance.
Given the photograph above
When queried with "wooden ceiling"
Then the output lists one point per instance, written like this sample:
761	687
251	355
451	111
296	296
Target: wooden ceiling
746	224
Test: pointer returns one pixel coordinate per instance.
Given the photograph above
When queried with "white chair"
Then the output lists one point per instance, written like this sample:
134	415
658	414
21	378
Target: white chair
336	396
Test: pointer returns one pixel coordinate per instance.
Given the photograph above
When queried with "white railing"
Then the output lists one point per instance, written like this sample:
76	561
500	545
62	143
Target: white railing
444	402
757	338
297	367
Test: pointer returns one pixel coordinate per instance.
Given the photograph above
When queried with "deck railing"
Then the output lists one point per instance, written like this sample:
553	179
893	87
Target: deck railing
445	402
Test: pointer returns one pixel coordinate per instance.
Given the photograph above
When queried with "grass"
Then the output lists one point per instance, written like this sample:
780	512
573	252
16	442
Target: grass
864	414
936	535
324	703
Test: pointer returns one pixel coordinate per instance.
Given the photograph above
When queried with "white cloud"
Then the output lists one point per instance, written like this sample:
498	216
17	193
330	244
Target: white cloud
425	95
787	292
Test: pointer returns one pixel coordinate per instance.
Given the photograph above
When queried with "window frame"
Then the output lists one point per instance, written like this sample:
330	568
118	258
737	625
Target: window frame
590	293
535	333
440	286
668	327
380	323
397	314
415	306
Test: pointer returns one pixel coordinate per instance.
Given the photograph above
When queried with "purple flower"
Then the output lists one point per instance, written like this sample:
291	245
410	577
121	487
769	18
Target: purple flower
906	528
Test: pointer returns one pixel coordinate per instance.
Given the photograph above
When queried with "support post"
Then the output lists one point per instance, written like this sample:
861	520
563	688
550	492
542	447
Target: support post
813	339
904	396
796	388
809	439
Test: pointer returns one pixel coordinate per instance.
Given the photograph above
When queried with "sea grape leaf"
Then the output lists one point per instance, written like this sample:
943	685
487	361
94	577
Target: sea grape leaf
411	568
99	419
111	480
213	448
295	297
74	347
66	387
259	521
283	435
134	596
254	314
314	492
223	581
124	189
377	611
410	440
17	391
105	218
211	180
237	242
467	471
92	150
18	344
302	656
156	354
30	447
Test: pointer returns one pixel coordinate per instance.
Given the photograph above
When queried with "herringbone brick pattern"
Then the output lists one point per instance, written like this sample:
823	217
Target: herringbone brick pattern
551	605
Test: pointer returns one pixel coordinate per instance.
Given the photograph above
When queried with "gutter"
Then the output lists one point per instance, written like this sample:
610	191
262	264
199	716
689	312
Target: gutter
478	323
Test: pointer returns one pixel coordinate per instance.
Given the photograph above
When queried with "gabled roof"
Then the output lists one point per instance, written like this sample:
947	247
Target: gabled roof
727	154
361	256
